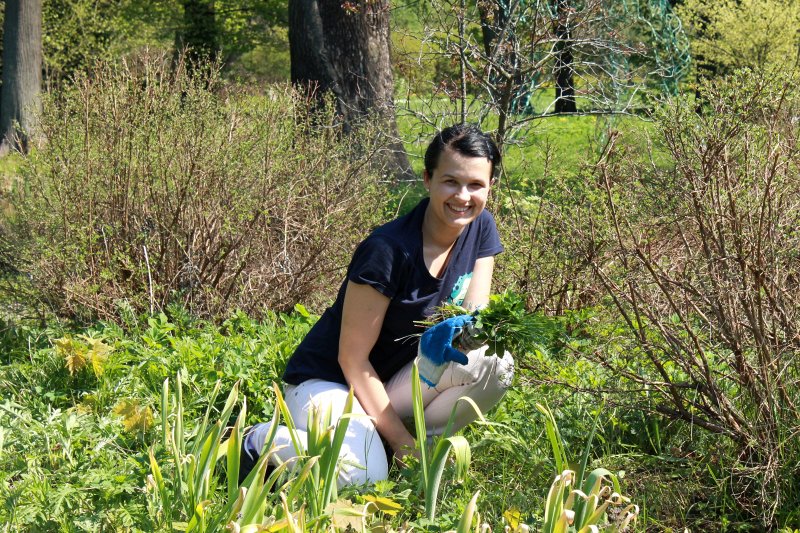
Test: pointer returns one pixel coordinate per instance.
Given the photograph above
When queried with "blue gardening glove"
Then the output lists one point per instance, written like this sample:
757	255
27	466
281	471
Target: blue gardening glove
436	348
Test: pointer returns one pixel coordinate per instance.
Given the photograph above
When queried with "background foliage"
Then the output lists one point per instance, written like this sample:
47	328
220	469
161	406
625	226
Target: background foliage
759	34
156	186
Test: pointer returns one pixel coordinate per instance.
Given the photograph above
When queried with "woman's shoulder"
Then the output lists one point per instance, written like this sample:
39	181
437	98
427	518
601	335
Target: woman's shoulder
486	217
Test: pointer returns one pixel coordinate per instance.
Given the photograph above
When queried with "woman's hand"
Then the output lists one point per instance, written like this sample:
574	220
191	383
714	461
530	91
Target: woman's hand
403	449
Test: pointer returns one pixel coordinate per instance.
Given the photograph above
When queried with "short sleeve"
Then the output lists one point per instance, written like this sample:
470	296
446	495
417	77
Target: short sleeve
380	263
490	244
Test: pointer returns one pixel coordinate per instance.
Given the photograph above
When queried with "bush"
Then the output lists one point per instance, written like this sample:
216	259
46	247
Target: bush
548	191
700	265
157	186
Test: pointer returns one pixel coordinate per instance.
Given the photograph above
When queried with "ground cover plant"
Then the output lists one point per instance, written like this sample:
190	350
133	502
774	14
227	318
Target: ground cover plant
112	428
76	438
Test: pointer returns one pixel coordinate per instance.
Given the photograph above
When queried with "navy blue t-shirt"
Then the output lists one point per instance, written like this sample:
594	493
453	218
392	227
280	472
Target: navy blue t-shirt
391	261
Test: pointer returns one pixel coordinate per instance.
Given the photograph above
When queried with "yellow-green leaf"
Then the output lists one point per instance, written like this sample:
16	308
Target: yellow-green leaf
97	354
73	353
386	505
134	416
513	517
346	515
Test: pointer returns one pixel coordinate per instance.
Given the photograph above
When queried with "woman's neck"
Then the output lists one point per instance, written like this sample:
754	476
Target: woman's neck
436	234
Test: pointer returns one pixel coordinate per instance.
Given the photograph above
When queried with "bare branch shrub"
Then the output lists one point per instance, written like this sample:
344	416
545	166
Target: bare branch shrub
157	185
544	261
698	249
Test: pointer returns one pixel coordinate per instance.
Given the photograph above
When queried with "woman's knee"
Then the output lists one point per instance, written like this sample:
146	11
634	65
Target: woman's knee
494	371
363	458
503	371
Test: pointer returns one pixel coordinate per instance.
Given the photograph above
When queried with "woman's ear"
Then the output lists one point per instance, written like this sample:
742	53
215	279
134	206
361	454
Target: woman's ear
426	180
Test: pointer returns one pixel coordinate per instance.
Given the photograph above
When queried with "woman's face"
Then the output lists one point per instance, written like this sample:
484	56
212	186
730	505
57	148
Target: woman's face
458	188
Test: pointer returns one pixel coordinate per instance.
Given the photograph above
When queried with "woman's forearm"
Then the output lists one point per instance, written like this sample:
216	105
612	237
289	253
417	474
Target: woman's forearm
372	395
362	318
481	284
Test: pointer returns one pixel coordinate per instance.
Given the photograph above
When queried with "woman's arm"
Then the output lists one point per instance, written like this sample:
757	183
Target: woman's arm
480	285
362	318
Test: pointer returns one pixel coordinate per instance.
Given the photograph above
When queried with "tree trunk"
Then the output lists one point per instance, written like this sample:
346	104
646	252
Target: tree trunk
199	35
344	47
22	73
565	85
309	59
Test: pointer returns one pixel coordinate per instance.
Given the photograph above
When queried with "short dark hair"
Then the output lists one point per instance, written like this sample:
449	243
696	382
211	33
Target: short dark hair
465	139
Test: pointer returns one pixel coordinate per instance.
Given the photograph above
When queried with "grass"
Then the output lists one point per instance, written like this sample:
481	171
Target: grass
81	406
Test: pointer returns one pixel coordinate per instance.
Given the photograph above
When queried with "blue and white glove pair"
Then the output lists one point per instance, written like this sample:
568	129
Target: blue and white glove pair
436	348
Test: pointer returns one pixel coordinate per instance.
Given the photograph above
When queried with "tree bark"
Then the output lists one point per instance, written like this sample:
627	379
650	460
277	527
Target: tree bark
309	59
344	47
564	73
199	35
22	73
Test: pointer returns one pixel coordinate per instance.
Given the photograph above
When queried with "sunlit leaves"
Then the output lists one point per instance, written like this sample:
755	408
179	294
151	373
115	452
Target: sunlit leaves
135	417
384	504
513	518
74	354
86	350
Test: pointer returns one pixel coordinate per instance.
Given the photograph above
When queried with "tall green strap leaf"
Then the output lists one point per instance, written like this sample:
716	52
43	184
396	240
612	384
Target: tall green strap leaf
236	507
332	457
197	522
201	432
554	506
461	452
448	430
230	403
580	506
234	453
554	436
419	422
465	524
206	461
165	413
178	436
299	448
252	500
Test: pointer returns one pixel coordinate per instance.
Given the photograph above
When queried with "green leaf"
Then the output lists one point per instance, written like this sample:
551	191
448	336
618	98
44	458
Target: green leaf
465	524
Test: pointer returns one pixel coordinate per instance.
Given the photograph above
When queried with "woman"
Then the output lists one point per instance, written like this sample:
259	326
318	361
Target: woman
442	251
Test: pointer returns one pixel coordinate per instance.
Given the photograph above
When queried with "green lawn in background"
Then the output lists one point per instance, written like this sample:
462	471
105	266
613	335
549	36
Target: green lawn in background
570	141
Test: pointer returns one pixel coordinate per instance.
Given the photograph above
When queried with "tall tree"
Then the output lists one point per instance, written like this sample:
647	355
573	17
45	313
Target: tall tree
199	34
309	59
22	72
593	50
344	47
565	84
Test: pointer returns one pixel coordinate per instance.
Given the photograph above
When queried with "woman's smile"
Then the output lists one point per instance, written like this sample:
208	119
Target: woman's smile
458	209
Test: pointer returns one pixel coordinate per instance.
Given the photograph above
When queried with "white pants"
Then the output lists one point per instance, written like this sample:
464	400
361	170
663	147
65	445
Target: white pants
483	379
